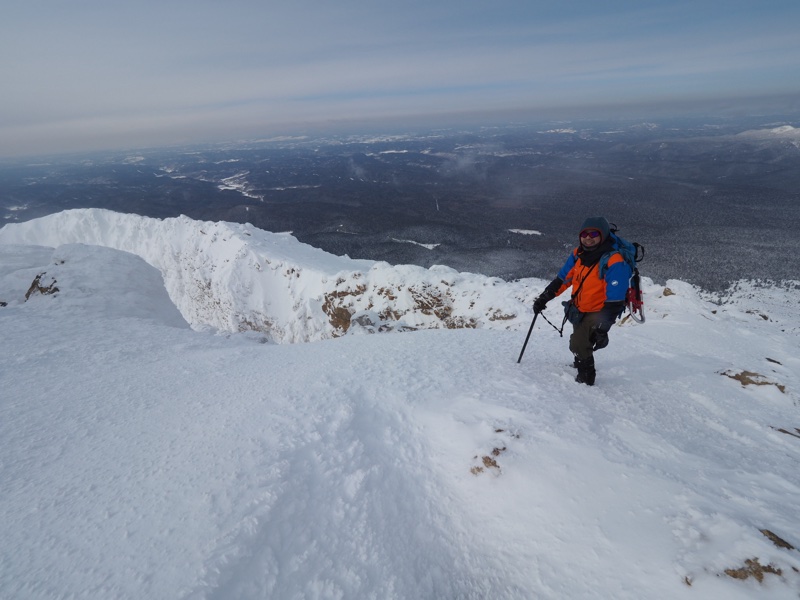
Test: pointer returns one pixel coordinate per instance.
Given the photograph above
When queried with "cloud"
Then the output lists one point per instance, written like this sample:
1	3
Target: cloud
92	71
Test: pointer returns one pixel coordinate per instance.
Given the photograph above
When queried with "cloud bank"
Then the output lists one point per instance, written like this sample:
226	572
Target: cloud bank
89	74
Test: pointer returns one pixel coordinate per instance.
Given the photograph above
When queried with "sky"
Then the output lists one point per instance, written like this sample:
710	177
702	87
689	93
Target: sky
88	74
144	454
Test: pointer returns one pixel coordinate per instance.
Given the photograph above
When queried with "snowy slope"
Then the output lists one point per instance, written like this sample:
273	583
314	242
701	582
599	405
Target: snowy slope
143	459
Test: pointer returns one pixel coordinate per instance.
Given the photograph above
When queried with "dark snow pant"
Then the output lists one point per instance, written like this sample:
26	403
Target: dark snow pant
590	334
581	340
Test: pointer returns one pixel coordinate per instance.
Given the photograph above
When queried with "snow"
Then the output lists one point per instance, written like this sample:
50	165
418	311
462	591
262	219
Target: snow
526	231
562	130
782	132
235	278
239	183
142	457
428	246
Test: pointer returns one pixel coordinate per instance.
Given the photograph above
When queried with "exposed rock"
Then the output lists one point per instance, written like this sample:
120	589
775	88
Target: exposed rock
781	430
338	314
38	288
753	568
752	378
779	542
370	322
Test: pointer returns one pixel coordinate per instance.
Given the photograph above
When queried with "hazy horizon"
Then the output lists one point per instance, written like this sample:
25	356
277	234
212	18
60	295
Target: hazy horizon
92	76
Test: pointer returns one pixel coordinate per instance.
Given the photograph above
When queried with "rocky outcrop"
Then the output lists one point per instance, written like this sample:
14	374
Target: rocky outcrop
37	287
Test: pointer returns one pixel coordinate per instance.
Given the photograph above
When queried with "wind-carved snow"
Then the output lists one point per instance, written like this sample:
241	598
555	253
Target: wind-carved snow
234	277
141	459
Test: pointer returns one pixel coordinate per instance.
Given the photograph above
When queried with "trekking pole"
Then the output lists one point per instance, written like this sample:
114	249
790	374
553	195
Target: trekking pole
527	337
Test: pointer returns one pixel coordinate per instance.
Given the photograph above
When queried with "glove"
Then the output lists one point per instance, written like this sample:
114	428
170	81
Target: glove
599	339
548	294
608	315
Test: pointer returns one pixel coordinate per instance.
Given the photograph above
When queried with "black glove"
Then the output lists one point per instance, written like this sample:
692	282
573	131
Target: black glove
608	314
599	336
548	294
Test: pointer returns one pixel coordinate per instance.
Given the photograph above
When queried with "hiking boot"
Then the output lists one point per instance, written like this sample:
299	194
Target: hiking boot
586	372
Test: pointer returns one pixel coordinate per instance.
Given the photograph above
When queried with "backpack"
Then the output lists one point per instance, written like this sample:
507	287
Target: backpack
632	253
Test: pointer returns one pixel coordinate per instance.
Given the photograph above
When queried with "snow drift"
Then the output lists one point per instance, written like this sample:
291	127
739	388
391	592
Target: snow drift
237	278
140	458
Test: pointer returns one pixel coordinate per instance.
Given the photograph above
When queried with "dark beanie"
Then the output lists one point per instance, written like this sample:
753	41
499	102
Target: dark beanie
599	223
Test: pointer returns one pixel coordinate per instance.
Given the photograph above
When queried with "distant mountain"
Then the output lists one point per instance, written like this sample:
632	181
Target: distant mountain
784	132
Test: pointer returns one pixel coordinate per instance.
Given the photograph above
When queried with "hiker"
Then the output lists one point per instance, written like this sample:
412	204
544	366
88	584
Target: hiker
598	275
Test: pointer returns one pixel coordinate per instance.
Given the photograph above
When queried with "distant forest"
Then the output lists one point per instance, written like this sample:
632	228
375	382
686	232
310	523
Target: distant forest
713	201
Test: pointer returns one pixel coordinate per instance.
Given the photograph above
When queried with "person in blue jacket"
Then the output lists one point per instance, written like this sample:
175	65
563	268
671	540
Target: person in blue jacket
599	277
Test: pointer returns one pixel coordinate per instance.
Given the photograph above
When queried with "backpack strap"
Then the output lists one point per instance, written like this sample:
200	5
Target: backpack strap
571	301
575	294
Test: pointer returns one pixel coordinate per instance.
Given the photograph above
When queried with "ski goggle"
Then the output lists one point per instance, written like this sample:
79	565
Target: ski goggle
592	233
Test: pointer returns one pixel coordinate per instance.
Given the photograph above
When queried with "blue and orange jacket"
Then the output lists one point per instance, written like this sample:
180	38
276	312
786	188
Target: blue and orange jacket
602	284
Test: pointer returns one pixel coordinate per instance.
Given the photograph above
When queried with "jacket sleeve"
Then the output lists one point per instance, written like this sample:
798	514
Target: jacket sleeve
552	290
565	274
618	277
